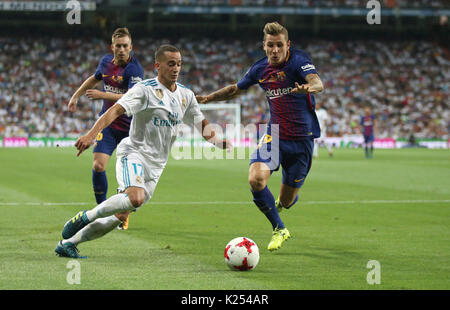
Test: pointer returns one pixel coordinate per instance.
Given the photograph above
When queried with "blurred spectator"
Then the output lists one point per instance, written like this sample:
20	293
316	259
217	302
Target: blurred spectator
311	3
406	83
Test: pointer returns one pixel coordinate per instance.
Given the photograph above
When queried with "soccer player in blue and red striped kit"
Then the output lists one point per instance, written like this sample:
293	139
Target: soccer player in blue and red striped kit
119	72
367	124
289	80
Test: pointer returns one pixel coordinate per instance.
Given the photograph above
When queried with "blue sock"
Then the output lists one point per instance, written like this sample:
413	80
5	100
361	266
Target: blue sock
266	203
100	183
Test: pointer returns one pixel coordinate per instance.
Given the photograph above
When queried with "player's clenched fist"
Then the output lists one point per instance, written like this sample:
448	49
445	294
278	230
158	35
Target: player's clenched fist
228	145
201	99
72	105
83	143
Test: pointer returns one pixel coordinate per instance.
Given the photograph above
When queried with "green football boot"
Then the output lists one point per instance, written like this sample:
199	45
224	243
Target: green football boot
67	250
75	224
278	237
278	205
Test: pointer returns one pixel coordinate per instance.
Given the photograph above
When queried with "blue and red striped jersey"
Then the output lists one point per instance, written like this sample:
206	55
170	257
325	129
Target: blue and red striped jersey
367	124
294	113
118	79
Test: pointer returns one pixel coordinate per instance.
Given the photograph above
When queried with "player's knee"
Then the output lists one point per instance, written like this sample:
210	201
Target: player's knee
257	183
137	201
137	198
98	166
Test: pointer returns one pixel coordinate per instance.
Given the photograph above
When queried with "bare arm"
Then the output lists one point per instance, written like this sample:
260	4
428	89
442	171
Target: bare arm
226	93
84	142
209	135
97	94
90	82
314	85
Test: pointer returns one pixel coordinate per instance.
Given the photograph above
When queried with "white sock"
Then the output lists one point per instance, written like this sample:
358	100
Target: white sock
94	230
316	150
115	204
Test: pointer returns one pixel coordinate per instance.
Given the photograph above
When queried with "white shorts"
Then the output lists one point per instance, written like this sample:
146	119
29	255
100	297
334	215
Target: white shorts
131	170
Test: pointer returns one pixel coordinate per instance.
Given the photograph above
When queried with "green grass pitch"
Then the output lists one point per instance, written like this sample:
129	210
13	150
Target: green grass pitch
394	209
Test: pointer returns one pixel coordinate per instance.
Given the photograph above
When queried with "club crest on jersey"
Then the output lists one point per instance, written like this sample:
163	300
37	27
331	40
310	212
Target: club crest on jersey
159	93
279	76
183	103
114	78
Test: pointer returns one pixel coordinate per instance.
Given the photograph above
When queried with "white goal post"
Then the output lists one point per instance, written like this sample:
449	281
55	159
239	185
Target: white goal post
224	113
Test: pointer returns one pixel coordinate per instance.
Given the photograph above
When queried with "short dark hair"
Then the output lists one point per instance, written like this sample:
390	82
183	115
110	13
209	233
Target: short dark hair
165	48
120	33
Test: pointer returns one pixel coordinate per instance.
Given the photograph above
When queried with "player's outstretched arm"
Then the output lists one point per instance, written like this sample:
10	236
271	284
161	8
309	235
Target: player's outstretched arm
210	135
90	82
314	85
98	94
84	142
226	93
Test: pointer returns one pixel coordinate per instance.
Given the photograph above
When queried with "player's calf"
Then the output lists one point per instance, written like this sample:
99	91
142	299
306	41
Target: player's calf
286	205
115	204
122	216
288	202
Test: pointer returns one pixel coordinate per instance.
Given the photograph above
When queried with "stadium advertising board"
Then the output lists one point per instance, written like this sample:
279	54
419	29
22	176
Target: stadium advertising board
337	142
427	143
285	10
51	142
36	142
15	142
44	6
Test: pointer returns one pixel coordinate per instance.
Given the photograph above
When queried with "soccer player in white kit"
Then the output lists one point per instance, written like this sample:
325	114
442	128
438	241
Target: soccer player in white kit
322	117
158	106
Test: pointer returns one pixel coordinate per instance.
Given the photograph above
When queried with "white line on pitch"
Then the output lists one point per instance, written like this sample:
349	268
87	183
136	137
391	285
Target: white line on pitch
229	202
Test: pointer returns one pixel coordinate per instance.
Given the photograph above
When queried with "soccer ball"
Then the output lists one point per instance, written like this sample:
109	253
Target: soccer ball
241	254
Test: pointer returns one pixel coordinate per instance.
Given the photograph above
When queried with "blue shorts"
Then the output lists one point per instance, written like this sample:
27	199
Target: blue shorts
107	140
368	139
295	158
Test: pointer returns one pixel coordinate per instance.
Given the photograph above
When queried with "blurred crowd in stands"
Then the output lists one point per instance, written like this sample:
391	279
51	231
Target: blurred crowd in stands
309	3
406	83
436	4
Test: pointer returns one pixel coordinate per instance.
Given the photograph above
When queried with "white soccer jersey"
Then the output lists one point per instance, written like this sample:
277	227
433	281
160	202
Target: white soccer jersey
157	113
322	117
